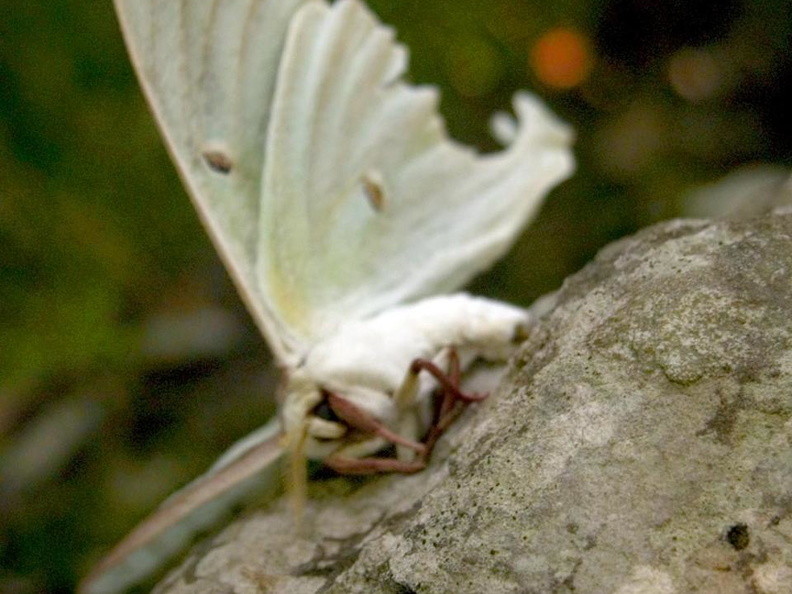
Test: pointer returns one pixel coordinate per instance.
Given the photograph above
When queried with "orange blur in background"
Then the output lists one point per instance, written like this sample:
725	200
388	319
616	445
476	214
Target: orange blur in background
562	58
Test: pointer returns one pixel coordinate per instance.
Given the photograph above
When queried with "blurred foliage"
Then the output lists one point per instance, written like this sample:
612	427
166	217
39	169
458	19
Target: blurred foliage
126	360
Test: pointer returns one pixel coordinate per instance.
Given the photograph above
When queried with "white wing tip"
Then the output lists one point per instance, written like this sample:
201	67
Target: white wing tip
503	127
534	120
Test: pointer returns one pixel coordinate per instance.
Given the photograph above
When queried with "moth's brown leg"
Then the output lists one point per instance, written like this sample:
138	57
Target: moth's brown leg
372	465
447	411
358	419
444	404
445	380
455	377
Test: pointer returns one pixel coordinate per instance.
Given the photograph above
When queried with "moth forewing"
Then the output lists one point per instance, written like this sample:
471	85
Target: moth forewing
208	72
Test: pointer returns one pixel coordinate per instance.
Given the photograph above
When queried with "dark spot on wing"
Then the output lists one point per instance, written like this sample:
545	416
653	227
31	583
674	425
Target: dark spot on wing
218	161
374	192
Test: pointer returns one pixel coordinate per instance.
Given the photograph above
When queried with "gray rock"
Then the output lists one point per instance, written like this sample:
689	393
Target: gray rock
641	443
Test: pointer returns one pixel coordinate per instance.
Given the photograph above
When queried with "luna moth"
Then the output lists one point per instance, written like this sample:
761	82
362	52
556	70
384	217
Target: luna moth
345	215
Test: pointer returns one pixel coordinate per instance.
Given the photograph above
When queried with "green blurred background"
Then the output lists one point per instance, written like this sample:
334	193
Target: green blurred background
127	362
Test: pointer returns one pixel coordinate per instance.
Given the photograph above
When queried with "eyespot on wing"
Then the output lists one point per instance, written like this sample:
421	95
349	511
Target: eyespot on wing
218	161
374	190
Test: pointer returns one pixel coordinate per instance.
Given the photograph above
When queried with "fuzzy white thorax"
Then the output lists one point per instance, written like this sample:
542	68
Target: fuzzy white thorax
366	361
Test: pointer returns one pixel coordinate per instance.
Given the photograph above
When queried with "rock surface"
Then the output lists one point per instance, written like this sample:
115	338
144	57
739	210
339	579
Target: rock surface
642	443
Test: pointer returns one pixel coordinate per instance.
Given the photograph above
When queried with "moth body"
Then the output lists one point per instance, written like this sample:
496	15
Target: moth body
367	362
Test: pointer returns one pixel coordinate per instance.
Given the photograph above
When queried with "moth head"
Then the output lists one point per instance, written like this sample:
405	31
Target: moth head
313	429
309	427
314	426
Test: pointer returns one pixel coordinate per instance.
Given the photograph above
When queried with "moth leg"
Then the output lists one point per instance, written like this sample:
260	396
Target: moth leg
448	381
446	411
358	419
371	465
448	400
409	421
405	395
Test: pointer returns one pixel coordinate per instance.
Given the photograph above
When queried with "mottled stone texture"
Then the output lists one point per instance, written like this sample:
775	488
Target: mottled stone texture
640	444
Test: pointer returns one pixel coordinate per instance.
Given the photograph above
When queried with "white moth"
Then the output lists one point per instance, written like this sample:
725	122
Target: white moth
339	206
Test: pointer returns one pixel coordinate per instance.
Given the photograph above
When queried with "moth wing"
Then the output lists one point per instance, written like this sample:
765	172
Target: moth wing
208	70
366	201
250	466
